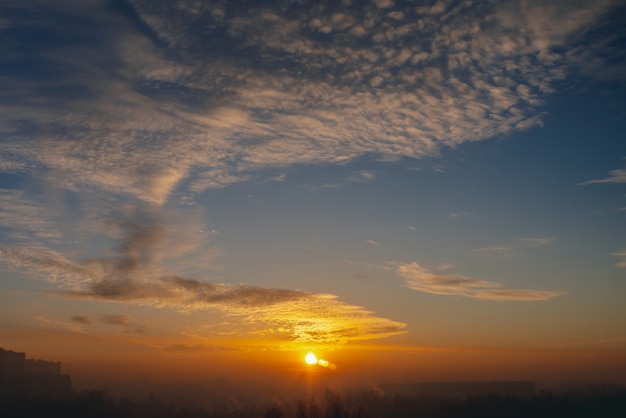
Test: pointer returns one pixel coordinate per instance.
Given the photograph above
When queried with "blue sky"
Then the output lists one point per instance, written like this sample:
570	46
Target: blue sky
327	173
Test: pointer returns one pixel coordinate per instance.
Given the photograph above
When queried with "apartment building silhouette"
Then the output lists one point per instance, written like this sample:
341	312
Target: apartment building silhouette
20	376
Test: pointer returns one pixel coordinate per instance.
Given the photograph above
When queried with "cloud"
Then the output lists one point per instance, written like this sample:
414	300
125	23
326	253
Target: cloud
133	274
302	317
124	321
194	348
609	342
116	319
61	325
617	176
371	241
26	215
357	177
496	251
141	105
510	250
423	280
458	215
85	320
444	266
383	4
538	241
622	255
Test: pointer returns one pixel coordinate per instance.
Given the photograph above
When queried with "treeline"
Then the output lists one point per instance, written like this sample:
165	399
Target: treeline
93	404
366	404
373	405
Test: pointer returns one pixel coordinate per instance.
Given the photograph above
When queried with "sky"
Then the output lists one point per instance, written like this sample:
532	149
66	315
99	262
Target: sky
412	190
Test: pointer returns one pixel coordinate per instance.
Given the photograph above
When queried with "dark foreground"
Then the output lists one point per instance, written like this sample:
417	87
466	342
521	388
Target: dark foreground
97	404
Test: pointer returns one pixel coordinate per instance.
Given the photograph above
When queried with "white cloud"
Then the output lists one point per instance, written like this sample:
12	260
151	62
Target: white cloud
458	215
617	176
423	280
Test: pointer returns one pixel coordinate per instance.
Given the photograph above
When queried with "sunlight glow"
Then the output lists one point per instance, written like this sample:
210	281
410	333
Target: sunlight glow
310	358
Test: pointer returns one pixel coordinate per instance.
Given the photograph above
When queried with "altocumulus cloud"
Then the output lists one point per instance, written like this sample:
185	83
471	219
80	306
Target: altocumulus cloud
141	102
421	279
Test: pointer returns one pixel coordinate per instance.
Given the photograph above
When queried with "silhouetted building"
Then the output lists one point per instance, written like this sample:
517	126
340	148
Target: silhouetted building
20	376
460	389
33	367
11	372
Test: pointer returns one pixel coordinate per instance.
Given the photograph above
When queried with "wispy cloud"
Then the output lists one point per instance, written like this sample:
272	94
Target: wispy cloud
458	215
124	321
81	319
444	266
497	251
510	250
616	176
302	317
612	342
59	324
372	242
421	279
145	111
132	274
194	348
356	177
27	216
538	241
622	256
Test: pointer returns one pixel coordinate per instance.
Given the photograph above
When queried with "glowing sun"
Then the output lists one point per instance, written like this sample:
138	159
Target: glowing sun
310	358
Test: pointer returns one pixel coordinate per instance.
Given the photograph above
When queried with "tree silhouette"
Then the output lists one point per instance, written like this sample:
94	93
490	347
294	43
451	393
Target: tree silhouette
274	411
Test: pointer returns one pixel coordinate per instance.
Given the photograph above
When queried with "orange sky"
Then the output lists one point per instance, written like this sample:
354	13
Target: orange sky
111	361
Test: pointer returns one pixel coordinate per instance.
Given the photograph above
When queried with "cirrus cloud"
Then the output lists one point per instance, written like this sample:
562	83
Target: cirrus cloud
424	280
616	176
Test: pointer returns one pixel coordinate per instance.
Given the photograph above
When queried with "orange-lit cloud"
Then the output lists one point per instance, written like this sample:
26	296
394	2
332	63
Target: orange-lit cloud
421	279
133	274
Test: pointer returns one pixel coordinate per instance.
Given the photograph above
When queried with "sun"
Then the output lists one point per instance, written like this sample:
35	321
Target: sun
310	358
